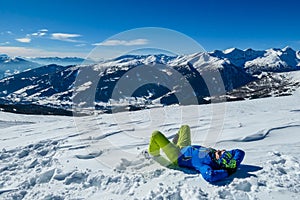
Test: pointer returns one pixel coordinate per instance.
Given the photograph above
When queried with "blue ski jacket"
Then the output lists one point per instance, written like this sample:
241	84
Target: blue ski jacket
202	159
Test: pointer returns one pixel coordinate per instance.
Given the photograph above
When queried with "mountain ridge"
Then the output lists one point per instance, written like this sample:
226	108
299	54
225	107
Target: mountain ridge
209	75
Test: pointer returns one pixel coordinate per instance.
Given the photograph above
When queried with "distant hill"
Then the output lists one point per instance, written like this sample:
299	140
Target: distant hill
14	65
60	61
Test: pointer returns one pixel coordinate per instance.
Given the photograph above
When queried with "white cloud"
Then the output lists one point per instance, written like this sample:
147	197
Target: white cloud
32	52
67	37
4	43
80	45
122	42
40	33
24	40
43	30
6	33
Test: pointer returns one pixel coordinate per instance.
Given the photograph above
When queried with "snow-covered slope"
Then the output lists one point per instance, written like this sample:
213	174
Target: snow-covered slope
100	156
47	85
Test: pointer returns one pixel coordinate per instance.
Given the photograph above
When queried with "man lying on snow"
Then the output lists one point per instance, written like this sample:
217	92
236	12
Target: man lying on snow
213	164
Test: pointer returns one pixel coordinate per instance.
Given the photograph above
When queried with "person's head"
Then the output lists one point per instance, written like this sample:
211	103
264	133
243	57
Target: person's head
219	153
225	159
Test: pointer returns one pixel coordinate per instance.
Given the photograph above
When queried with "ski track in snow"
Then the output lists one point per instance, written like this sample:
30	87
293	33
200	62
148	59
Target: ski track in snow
48	157
260	135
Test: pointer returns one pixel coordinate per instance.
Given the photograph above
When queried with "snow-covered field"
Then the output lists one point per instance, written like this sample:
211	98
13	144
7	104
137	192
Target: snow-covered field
100	156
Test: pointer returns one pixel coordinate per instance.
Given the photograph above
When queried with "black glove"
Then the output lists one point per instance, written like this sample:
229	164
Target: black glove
231	170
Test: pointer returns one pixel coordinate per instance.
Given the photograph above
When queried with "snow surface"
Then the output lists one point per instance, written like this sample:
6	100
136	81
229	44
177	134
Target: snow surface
100	156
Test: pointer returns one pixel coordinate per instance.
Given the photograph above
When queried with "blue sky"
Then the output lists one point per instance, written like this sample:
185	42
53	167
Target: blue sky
76	27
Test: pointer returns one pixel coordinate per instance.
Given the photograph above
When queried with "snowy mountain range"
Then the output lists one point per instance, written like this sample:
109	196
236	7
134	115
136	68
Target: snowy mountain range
14	65
60	61
10	66
232	74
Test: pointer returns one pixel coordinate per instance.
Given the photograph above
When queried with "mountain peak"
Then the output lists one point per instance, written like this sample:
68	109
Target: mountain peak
288	49
232	50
